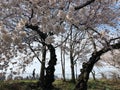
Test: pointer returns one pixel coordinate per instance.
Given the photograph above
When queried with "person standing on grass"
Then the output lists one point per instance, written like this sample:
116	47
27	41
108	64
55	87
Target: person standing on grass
33	74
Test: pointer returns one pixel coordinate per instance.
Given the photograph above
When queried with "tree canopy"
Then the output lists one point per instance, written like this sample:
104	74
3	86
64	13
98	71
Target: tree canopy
25	22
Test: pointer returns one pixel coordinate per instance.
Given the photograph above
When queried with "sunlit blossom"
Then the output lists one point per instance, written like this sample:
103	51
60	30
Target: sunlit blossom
34	21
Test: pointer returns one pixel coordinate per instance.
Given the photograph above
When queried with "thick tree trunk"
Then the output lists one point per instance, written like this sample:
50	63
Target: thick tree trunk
88	66
84	76
49	77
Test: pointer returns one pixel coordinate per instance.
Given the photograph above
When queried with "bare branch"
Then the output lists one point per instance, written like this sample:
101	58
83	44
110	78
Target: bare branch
32	12
35	53
93	42
107	43
113	39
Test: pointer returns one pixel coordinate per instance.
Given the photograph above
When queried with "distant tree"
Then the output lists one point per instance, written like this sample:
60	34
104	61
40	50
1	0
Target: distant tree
76	45
63	53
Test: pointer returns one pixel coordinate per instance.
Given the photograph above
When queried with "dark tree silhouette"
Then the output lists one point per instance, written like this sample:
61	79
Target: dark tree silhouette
48	79
88	66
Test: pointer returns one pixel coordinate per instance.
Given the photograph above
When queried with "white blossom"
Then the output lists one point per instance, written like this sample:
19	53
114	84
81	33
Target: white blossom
34	1
49	40
61	14
62	30
21	24
45	29
22	33
15	32
44	20
69	16
57	29
1	25
51	2
17	40
4	31
7	38
71	8
50	26
34	21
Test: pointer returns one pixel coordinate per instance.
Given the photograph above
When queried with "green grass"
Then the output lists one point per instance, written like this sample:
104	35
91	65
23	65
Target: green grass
59	84
17	84
64	85
103	85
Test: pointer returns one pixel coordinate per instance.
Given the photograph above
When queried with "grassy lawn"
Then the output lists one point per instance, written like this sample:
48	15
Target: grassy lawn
60	85
104	85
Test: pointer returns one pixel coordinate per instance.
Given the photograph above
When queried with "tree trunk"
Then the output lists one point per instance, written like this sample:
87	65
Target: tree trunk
93	74
42	72
88	66
85	71
71	57
49	77
76	70
72	67
63	65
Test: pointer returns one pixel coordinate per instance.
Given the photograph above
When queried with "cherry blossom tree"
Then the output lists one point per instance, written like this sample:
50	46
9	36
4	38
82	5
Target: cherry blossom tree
24	22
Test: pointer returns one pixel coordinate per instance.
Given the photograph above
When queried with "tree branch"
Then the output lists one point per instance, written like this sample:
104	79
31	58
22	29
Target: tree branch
32	13
113	39
35	53
96	56
85	4
36	28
